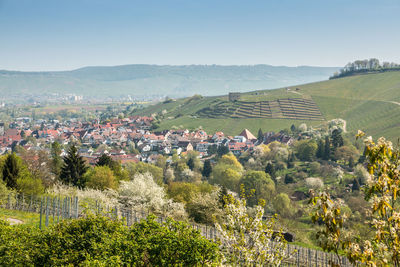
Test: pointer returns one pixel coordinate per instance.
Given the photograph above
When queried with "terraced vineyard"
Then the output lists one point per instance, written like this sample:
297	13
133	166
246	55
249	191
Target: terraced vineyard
290	108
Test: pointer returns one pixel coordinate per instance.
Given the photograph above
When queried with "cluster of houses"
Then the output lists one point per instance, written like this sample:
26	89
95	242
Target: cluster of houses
128	139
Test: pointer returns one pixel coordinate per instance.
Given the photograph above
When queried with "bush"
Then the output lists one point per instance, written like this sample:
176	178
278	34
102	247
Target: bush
100	241
314	183
30	186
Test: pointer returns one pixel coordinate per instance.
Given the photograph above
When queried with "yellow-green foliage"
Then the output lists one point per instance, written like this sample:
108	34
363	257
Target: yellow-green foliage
100	177
141	167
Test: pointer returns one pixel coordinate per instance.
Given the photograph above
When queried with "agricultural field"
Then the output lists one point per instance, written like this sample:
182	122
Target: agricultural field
367	102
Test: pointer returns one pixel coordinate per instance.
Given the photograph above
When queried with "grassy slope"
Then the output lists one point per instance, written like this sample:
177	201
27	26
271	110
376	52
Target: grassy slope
364	101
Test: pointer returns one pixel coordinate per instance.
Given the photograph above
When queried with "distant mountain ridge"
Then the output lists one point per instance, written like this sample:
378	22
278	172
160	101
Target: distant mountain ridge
159	80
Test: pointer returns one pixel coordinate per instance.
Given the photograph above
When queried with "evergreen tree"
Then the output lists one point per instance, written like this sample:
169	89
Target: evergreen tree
260	135
11	171
321	149
270	169
289	179
327	150
190	164
105	160
356	186
207	168
74	168
56	160
351	162
293	128
222	150
337	139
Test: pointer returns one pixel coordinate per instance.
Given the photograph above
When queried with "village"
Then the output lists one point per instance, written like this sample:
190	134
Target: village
126	140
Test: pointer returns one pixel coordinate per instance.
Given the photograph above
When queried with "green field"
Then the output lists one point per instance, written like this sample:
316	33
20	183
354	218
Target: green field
367	102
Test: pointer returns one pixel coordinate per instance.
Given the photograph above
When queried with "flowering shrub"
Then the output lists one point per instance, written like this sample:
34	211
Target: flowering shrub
314	183
248	240
384	214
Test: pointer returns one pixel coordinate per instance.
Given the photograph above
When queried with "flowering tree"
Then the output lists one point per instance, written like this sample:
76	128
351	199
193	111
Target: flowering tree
248	240
384	215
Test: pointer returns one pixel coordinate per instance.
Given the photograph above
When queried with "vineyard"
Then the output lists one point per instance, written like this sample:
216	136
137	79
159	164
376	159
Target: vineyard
52	210
290	108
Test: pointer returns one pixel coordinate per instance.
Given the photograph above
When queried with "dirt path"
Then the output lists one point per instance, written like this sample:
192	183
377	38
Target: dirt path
394	102
13	221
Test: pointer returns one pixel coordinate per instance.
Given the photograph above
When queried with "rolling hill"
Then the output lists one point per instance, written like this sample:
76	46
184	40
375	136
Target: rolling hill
149	81
367	102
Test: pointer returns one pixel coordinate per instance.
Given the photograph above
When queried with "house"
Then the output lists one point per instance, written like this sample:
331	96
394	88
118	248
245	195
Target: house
248	135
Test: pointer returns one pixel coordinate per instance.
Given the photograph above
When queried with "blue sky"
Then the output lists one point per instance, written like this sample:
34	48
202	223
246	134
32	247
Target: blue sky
68	34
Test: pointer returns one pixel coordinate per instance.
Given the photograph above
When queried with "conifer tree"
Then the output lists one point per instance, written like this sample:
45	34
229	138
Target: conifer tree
207	168
74	168
321	149
327	150
337	139
260	135
105	160
190	164
11	171
270	169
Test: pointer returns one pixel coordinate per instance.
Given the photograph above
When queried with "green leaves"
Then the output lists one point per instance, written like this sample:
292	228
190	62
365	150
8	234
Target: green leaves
100	241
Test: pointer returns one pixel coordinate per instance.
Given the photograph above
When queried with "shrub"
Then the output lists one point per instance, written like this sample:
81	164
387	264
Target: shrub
100	241
314	183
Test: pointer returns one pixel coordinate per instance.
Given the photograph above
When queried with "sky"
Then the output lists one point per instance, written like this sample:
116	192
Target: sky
38	35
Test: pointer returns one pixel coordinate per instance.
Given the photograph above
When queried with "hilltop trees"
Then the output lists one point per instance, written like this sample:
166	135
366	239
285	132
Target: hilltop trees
74	168
366	65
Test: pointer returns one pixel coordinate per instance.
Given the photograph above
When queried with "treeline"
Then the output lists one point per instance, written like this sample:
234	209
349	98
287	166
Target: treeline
365	66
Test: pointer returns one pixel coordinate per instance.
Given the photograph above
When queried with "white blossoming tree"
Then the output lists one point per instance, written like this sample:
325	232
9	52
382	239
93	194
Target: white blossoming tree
249	240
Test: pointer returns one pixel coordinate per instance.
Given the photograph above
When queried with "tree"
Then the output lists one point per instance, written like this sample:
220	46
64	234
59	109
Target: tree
133	168
293	128
260	135
383	216
337	139
282	205
222	150
270	170
105	160
249	240
74	168
190	164
114	165
321	149
327	149
11	170
261	183
100	177
56	160
356	185
305	150
227	172
207	168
